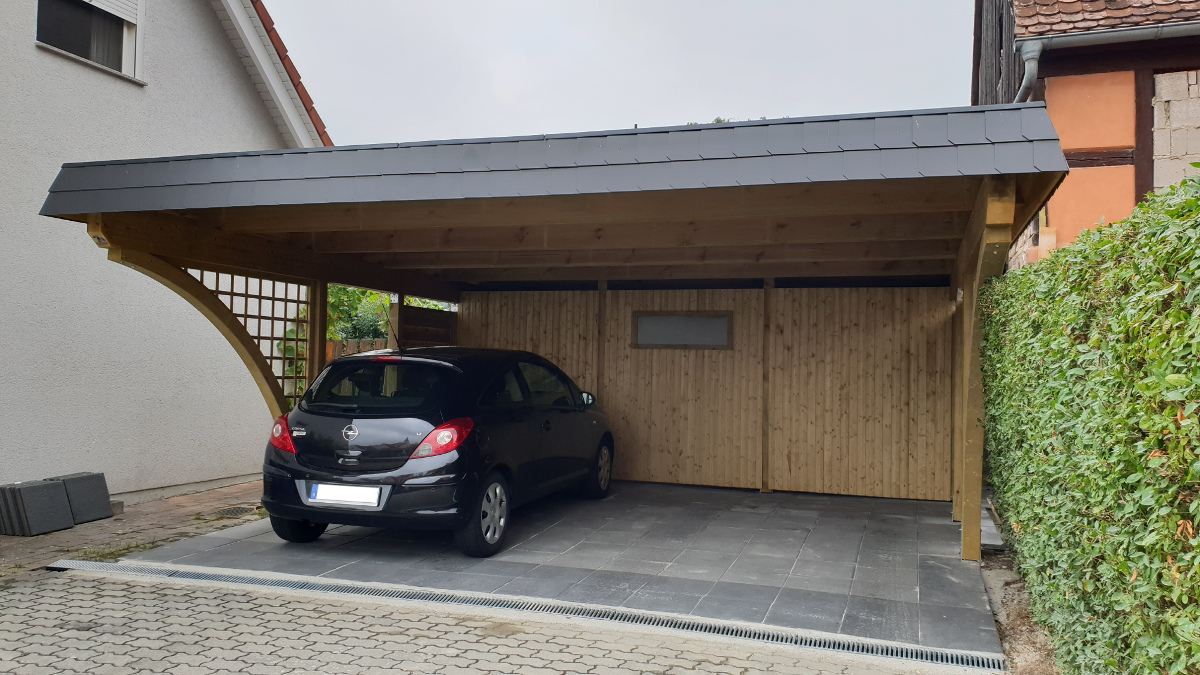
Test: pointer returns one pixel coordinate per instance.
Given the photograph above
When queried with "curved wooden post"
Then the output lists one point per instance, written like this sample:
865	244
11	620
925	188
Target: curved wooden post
211	307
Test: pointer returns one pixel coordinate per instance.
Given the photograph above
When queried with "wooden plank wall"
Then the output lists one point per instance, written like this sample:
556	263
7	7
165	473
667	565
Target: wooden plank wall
560	325
860	382
686	415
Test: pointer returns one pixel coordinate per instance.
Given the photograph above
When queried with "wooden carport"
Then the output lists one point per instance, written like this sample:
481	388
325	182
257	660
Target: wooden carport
846	252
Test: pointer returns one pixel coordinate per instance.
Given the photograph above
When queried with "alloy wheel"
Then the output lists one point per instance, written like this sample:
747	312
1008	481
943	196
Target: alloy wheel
604	470
494	513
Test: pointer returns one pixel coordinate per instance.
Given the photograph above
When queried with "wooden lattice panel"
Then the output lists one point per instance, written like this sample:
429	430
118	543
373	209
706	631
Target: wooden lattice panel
275	314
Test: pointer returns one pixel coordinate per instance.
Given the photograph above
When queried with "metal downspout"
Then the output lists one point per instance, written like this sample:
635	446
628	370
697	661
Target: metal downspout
1031	52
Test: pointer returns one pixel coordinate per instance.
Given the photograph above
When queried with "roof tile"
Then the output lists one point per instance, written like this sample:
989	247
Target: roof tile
1045	17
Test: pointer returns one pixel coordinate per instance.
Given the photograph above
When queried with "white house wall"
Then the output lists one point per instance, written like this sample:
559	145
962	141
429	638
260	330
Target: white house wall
103	369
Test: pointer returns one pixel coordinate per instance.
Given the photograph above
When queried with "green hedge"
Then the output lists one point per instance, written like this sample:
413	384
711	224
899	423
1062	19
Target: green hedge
1092	378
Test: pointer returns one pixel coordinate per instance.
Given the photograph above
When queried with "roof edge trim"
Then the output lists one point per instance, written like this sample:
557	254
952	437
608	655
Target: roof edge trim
585	134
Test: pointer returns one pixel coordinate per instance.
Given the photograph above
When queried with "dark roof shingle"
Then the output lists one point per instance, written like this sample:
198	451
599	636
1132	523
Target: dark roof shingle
976	141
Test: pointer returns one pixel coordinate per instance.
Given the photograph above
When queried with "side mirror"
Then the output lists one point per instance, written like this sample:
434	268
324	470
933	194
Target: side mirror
588	399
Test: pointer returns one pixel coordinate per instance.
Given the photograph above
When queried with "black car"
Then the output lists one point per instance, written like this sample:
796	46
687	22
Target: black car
433	438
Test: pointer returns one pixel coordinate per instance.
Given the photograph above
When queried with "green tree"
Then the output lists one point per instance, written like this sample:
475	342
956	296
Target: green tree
356	314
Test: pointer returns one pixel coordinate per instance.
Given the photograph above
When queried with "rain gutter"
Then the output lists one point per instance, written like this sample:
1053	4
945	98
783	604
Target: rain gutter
1031	47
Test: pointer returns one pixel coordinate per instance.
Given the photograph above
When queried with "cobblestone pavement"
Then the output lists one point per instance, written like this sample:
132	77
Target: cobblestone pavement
78	622
141	526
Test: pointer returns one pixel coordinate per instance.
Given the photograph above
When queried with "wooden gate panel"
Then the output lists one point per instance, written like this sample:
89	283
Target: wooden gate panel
860	391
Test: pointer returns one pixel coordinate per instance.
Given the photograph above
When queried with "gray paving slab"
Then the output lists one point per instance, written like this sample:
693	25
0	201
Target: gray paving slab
872	567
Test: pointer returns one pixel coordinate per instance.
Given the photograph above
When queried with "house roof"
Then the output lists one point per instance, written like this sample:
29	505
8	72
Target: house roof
1051	17
972	141
253	34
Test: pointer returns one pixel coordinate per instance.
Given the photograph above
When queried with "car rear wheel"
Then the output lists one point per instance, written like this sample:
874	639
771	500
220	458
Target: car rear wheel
482	534
298	531
596	483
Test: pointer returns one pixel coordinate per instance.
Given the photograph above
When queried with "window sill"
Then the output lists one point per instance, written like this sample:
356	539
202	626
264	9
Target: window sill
79	59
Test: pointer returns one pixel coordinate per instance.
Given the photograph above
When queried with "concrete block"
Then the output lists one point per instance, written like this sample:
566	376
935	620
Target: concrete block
88	495
36	507
1184	114
118	507
1162	143
1161	119
1179	142
1171	86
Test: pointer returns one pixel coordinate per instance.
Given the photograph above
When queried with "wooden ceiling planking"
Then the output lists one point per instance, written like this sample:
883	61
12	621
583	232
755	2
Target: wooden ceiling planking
941	249
701	232
852	198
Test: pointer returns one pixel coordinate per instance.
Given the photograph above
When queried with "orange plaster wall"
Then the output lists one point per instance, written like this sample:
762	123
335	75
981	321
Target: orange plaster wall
1093	112
1088	195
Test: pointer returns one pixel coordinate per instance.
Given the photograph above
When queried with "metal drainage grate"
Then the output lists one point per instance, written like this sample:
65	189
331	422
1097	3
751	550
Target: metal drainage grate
764	634
235	511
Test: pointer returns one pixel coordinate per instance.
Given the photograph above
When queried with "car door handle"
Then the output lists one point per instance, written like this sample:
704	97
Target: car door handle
546	425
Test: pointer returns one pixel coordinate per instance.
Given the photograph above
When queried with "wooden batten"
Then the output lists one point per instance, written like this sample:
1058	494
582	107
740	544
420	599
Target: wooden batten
709	271
935	249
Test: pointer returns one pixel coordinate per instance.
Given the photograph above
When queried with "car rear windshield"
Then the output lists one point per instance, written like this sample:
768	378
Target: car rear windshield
381	388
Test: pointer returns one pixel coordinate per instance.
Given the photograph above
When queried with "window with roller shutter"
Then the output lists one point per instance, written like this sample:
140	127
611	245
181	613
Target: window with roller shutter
101	31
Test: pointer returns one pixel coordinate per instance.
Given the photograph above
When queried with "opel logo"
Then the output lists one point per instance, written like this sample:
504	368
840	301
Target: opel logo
350	432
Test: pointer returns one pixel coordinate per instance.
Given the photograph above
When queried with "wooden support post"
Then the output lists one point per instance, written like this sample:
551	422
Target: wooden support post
983	255
318	317
768	291
601	333
396	324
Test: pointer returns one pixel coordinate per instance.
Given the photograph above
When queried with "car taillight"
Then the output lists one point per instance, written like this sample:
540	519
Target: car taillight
444	438
281	436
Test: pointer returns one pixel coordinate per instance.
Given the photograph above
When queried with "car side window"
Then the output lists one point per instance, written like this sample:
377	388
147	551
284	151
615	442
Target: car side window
502	392
546	387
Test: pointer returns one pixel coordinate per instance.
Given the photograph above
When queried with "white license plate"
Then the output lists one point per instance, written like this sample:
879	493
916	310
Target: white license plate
344	494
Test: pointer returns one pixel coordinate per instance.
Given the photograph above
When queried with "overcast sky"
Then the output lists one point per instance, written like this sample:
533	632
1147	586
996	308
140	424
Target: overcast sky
395	70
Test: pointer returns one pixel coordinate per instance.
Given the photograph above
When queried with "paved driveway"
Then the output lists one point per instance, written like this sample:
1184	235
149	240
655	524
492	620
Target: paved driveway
878	568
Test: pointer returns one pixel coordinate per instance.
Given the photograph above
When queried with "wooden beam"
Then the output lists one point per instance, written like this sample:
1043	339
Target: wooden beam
174	237
741	231
992	223
318	317
216	312
938	249
911	195
718	271
1035	190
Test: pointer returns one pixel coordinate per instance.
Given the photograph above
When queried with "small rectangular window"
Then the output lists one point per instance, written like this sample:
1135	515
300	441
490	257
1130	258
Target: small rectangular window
683	330
83	30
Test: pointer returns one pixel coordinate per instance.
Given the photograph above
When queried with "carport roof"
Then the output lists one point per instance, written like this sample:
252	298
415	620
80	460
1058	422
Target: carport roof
950	142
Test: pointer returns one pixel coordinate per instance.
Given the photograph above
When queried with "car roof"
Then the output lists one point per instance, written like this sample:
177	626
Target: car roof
463	358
